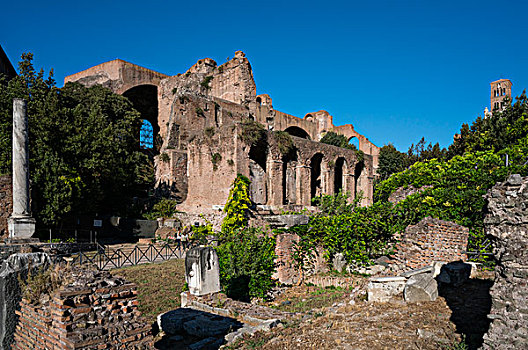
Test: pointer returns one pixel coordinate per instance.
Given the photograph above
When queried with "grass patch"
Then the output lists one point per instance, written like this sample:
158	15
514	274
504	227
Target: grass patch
159	285
311	298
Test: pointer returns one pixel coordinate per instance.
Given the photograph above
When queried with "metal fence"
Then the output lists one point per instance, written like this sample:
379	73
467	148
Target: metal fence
108	257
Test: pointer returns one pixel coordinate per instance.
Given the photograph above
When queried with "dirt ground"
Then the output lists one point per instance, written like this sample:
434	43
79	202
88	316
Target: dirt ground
343	319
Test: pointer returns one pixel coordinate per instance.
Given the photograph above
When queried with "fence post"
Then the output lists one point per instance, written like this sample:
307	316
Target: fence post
50	235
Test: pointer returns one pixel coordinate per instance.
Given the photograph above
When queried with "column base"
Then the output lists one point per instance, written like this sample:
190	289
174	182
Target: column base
20	228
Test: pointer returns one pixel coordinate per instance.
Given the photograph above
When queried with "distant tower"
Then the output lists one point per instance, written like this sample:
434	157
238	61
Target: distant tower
499	90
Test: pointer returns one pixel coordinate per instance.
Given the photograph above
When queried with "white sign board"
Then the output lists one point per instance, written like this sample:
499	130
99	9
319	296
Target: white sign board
98	223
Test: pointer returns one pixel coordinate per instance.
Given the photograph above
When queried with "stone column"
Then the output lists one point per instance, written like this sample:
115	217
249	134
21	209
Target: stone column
348	186
21	224
303	187
275	182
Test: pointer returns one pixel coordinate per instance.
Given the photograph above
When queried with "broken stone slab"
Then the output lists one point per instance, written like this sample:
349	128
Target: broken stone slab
286	221
420	287
205	326
382	289
171	322
427	269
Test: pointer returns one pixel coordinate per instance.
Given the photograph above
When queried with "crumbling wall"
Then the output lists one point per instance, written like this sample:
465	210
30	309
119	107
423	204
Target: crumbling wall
507	225
96	311
431	240
13	269
6	203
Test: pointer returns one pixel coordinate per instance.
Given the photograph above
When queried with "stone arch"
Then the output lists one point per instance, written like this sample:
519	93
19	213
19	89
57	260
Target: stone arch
297	131
258	189
340	169
316	175
353	140
144	99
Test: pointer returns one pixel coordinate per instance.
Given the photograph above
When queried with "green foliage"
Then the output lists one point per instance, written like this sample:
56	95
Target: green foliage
164	157
83	144
500	130
237	206
252	133
247	264
205	82
331	138
165	208
285	142
202	232
215	159
335	204
220	69
199	112
209	132
390	161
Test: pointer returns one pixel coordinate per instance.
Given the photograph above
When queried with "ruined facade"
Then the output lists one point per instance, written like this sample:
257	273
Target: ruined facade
201	120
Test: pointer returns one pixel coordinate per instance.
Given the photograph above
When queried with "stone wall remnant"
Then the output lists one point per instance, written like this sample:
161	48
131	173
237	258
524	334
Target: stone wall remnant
95	311
199	118
202	271
6	204
13	269
507	225
429	241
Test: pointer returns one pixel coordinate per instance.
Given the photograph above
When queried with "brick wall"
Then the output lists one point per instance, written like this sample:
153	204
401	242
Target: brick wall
428	241
6	203
97	311
286	271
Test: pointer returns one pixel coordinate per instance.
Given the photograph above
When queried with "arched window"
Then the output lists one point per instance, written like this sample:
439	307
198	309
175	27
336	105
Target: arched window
146	135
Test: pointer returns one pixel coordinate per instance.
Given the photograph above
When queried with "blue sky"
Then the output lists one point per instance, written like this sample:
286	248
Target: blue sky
396	70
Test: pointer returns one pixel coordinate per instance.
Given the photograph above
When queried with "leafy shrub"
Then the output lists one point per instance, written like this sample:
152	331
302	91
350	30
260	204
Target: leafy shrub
236	206
202	232
284	141
252	133
205	82
247	264
209	132
199	112
165	208
164	157
215	159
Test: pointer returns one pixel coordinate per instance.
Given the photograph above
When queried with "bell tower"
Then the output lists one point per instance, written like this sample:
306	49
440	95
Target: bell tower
499	90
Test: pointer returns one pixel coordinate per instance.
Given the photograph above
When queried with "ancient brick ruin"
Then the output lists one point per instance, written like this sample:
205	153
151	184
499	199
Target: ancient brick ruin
96	311
198	118
429	241
507	224
6	203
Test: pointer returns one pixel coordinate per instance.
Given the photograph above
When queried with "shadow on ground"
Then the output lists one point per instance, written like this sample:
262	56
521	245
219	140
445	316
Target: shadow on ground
191	329
470	304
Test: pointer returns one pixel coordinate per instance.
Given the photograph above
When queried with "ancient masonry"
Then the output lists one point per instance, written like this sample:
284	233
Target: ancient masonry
507	224
97	311
429	241
6	203
500	89
198	118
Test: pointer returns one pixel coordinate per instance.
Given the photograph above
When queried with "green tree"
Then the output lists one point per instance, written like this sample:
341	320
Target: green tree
390	161
83	144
